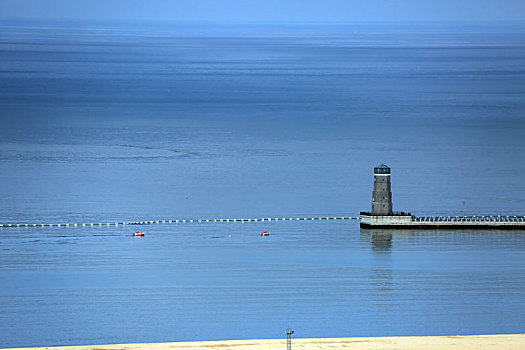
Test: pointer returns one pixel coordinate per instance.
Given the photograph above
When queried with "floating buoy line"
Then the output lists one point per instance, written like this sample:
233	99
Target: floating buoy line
149	222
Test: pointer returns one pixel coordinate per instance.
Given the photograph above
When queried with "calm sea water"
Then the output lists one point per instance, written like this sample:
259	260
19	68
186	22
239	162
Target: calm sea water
105	122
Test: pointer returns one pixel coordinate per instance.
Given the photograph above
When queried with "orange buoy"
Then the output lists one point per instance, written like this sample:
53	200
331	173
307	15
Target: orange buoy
265	233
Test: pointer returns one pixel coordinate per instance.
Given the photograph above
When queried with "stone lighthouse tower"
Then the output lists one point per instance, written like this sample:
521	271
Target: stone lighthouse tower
382	195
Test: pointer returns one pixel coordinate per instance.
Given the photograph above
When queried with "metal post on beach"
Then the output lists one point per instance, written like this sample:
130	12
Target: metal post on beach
289	333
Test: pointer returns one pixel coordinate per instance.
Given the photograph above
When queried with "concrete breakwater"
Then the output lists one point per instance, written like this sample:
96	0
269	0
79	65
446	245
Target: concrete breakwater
456	222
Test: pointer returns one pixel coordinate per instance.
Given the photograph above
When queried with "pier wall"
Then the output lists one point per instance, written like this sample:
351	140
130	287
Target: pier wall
385	220
443	222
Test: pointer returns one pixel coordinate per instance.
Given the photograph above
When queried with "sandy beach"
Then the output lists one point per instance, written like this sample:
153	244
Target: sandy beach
484	342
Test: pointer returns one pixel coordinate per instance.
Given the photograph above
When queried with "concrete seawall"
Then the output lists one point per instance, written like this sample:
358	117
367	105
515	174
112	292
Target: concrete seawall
442	222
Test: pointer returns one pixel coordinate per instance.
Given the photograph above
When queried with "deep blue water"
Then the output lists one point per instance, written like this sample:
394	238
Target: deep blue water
105	122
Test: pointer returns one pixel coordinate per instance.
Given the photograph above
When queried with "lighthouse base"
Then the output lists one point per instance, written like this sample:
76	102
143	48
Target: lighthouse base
386	221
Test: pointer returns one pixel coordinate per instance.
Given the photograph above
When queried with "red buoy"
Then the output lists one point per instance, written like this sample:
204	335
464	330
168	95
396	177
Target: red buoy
138	234
265	233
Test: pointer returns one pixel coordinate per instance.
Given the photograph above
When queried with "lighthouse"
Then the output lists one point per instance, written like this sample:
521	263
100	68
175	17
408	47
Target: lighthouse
382	215
382	194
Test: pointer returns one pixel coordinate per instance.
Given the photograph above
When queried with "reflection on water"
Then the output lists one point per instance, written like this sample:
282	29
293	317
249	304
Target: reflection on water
381	279
382	242
381	239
